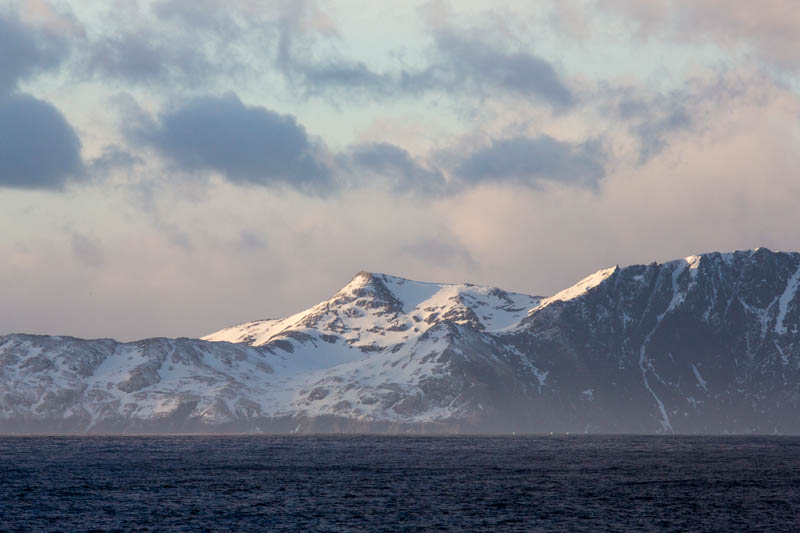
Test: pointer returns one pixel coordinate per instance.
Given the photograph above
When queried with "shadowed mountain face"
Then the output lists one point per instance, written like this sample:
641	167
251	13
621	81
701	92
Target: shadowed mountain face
703	345
706	344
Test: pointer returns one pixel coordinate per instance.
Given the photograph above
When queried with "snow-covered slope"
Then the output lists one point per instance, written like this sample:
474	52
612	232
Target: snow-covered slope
377	349
377	352
709	343
375	310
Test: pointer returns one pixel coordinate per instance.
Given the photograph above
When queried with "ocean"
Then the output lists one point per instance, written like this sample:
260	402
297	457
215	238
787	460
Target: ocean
399	483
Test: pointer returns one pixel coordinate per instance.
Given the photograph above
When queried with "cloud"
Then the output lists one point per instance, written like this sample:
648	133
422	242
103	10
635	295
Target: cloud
734	187
343	74
771	28
387	161
26	51
38	147
460	65
212	15
143	58
440	250
522	73
653	118
652	133
533	160
458	62
247	145
87	250
57	19
174	43
299	28
112	158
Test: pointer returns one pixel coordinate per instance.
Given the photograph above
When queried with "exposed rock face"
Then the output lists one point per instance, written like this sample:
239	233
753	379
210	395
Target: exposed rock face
706	344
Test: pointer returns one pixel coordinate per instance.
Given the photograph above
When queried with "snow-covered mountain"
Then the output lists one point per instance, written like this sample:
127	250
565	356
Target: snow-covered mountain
704	344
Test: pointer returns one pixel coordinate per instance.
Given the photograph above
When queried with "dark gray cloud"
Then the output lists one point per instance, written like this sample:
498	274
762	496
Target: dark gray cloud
460	65
210	15
295	59
186	44
652	118
459	62
486	65
112	158
465	67
38	147
144	58
337	76
205	41
344	75
250	145
390	162
653	132
26	51
534	160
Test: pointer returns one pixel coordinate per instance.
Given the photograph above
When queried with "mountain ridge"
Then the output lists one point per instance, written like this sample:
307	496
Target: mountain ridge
704	344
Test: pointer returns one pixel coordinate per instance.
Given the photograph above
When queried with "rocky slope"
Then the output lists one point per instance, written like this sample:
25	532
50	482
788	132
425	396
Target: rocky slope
706	344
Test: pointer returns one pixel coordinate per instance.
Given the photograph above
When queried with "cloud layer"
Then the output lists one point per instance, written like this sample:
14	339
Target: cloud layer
187	165
769	29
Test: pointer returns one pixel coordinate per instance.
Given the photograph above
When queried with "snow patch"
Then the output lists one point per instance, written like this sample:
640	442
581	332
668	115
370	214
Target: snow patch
580	288
785	299
677	295
700	380
368	321
693	261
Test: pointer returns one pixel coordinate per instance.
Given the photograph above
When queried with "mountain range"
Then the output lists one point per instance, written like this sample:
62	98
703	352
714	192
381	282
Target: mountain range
704	344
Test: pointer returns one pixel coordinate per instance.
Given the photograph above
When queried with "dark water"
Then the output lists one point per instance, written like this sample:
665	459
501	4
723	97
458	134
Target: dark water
400	483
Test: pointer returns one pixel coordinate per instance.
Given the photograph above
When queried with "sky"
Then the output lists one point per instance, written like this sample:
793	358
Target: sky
169	168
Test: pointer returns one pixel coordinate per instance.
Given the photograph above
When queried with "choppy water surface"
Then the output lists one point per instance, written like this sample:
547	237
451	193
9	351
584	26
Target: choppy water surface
400	483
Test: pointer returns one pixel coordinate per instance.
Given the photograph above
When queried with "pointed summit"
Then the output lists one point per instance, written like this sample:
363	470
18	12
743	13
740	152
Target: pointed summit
704	344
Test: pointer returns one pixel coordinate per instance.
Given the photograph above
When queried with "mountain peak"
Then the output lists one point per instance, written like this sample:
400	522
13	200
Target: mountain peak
582	287
705	343
360	280
365	275
366	278
376	309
